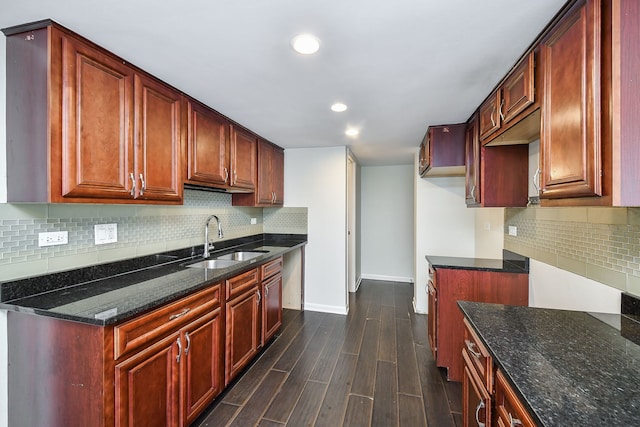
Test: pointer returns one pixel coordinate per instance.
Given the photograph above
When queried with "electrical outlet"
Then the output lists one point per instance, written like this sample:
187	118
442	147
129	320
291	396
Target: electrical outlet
254	221
53	238
105	233
513	230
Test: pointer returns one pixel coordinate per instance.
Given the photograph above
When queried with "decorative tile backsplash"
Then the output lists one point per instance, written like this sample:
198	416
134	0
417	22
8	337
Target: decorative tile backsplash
141	230
602	244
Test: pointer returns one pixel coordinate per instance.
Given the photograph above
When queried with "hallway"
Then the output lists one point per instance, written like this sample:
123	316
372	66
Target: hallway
370	368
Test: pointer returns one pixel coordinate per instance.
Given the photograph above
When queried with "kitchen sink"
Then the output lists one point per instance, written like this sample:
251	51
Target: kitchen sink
241	255
214	263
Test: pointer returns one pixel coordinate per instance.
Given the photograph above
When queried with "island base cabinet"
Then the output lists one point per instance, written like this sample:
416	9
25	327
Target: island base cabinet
509	410
476	400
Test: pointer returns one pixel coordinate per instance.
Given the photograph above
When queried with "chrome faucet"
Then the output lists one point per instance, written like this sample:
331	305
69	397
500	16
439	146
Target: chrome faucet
208	246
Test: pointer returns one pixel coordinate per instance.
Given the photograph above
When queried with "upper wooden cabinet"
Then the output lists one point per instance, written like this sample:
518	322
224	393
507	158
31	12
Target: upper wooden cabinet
208	156
491	178
93	128
571	131
512	101
442	151
589	154
244	155
270	179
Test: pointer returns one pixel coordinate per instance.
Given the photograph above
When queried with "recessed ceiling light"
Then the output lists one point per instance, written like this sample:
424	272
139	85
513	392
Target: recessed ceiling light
338	107
305	44
352	132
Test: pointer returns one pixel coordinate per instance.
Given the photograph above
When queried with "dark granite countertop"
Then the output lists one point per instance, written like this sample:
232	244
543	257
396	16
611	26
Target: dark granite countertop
570	368
510	263
110	293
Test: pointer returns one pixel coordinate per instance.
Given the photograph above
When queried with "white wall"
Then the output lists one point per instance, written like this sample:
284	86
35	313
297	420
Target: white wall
317	179
3	198
489	233
387	223
444	226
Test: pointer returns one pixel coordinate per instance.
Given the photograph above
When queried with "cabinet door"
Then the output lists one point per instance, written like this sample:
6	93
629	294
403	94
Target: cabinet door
242	332
476	400
208	146
432	318
244	152
570	142
277	176
157	139
518	91
472	151
146	386
97	103
203	371
509	409
271	307
489	116
264	193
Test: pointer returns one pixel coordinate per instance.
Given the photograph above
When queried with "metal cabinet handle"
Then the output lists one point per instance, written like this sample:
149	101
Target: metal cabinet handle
179	350
480	406
473	193
470	346
144	186
259	297
182	313
226	175
493	122
188	338
536	180
133	184
500	110
266	291
514	421
235	177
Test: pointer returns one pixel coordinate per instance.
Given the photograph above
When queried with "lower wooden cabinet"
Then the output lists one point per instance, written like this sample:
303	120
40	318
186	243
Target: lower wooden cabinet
171	382
476	399
242	332
487	398
162	368
469	285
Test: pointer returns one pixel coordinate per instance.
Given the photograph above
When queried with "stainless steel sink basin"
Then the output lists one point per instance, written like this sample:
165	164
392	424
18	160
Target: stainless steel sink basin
241	255
213	263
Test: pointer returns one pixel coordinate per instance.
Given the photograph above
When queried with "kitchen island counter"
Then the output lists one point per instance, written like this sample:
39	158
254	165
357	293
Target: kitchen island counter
568	367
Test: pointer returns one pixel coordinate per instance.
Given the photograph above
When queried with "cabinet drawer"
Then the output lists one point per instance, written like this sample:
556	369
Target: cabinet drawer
478	355
242	282
272	267
147	328
509	409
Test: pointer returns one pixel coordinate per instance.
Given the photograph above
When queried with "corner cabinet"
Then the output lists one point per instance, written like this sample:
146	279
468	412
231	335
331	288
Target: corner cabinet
95	128
270	178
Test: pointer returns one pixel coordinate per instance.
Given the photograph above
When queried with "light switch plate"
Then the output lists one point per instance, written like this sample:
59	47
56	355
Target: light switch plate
53	238
254	221
513	230
105	233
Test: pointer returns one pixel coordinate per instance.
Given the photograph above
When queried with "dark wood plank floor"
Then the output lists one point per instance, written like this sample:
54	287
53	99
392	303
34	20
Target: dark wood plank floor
370	368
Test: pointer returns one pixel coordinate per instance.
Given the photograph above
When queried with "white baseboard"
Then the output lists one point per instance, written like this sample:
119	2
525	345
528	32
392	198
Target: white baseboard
386	278
358	282
333	309
415	309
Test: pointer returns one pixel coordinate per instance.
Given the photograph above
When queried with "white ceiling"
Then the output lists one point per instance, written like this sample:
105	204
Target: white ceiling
399	65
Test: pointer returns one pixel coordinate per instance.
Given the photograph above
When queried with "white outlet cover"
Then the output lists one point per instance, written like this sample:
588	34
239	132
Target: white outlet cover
105	233
254	221
53	238
513	230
